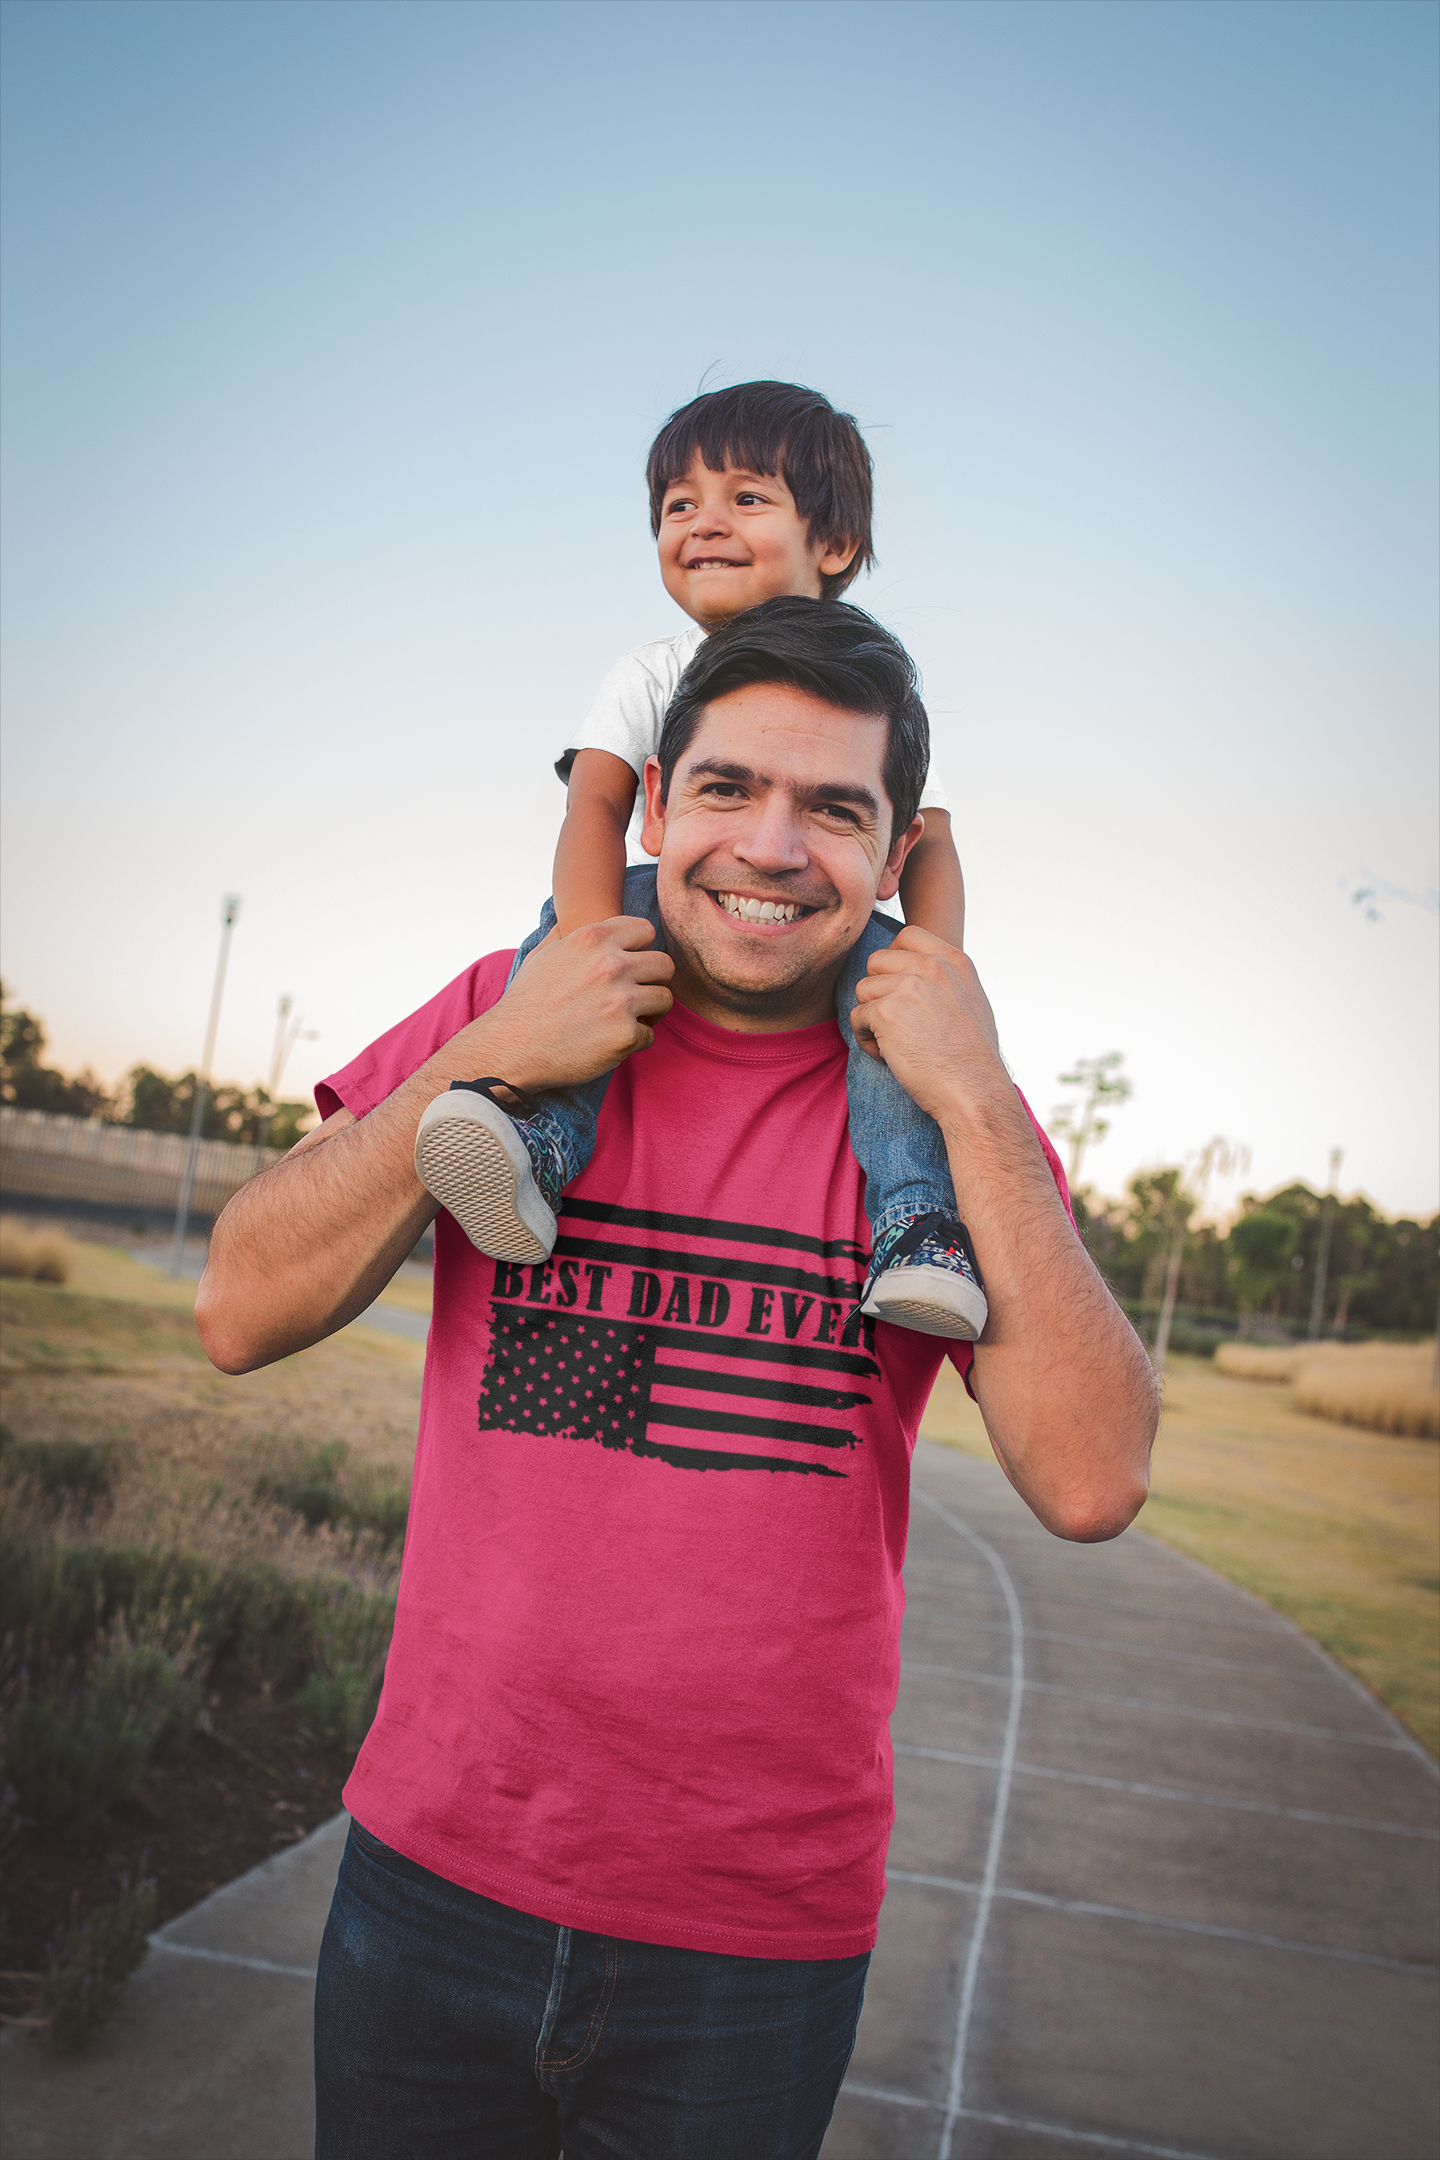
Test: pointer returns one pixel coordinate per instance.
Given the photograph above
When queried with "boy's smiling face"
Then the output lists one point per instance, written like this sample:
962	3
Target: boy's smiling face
730	539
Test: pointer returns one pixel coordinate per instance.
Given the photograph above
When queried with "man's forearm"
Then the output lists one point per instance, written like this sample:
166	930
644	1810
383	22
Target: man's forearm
303	1249
1062	1380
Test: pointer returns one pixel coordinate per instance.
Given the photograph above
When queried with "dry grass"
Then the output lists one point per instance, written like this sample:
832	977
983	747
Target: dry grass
1387	1387
1248	1361
1334	1527
37	1256
112	1355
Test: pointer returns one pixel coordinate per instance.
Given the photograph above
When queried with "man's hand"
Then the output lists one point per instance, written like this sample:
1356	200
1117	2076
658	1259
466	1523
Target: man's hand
578	1006
921	1003
306	1246
1062	1380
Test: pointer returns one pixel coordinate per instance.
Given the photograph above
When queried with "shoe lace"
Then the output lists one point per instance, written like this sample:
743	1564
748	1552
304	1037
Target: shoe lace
524	1105
945	1229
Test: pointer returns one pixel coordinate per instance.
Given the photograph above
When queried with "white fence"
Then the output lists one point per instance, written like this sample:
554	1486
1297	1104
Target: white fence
79	1159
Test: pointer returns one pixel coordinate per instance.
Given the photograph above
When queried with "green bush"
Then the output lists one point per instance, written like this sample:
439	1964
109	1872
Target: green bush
313	1484
309	1483
106	1649
340	1709
350	1634
63	1595
1190	1341
385	1509
69	1760
71	1752
91	1964
77	1469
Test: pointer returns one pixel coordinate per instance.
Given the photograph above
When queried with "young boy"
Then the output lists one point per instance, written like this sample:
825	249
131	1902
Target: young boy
756	493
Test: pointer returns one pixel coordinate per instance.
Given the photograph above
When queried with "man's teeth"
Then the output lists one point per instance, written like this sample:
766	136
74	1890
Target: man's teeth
760	910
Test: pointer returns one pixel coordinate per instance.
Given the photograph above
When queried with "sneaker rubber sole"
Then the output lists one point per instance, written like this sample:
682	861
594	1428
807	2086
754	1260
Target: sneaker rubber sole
470	1158
931	1300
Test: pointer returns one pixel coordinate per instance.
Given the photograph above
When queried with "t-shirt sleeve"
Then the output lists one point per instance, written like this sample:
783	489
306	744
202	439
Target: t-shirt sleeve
402	1050
962	1354
932	795
628	711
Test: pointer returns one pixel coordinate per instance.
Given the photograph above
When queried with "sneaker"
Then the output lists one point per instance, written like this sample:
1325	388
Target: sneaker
923	1276
489	1170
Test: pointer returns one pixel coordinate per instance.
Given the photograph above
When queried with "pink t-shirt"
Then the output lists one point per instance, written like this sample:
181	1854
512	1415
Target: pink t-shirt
648	1634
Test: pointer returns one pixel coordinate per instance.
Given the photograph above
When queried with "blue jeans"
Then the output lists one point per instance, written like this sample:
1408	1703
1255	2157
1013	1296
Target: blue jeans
451	2028
900	1149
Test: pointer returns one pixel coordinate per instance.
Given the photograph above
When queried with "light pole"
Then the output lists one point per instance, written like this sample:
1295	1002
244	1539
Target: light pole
229	909
1226	1156
1322	1264
286	1037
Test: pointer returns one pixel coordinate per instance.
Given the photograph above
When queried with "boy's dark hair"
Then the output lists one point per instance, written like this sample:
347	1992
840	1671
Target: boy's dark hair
837	652
776	427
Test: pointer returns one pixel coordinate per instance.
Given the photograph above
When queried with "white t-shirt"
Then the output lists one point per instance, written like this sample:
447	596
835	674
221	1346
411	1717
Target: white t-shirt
629	709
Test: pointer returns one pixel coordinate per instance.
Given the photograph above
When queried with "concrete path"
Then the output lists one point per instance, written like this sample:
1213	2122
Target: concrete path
1163	1881
209	2056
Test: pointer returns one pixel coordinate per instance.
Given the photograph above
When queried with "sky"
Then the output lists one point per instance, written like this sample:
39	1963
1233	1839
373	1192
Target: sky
334	337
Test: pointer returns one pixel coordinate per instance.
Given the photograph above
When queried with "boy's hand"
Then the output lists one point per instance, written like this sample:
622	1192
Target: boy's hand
920	1005
579	1006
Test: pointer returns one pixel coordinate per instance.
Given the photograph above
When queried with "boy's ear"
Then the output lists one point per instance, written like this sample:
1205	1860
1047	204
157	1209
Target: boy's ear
837	558
895	861
652	830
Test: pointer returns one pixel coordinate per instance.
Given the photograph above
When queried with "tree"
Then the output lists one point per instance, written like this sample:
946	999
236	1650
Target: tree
27	1084
1100	1081
1262	1244
145	1098
1220	1154
158	1104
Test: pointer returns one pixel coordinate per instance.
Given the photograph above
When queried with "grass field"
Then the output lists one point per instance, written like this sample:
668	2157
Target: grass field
1335	1527
111	1356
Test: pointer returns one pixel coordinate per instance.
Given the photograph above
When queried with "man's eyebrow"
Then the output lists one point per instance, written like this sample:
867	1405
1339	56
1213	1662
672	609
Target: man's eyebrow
720	769
845	791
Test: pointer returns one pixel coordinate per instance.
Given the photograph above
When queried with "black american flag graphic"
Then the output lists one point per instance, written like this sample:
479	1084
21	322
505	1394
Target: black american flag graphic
705	1345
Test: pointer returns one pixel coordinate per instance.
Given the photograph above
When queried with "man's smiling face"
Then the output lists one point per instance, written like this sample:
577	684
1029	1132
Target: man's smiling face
730	539
774	846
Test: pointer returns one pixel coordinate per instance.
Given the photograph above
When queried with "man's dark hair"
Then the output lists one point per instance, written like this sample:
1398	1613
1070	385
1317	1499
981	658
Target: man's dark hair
778	428
835	651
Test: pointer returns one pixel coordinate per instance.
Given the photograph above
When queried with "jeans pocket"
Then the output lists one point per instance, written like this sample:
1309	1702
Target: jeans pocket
374	1848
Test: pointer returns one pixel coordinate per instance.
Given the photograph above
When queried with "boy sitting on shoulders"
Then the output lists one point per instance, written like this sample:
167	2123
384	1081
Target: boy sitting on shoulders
757	493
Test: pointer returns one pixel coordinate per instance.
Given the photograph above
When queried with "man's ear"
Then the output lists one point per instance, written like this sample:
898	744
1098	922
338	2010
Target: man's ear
895	861
652	830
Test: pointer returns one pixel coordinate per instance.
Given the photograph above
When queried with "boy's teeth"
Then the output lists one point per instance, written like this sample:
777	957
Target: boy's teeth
759	910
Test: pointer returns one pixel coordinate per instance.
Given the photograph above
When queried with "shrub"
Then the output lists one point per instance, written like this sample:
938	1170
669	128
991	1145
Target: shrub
340	1708
72	1751
83	1470
62	1595
91	1964
350	1631
309	1483
313	1484
40	1256
69	1759
383	1509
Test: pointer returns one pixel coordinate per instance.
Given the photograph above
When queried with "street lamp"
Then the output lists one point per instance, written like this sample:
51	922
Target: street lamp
287	1033
229	909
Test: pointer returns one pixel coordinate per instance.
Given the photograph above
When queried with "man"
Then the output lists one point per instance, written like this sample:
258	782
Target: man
620	1825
